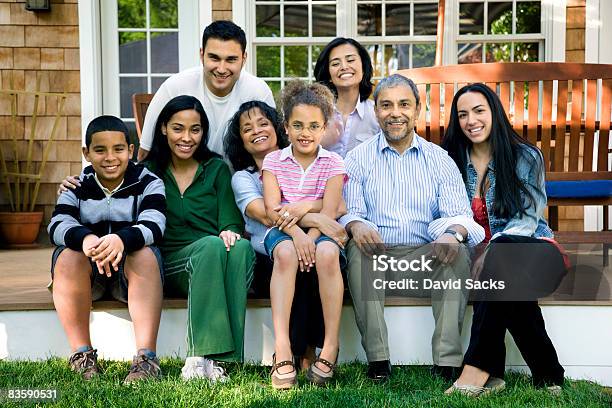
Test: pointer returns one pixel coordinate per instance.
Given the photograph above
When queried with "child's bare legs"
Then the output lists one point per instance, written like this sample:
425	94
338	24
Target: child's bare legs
144	296
282	288
72	296
331	290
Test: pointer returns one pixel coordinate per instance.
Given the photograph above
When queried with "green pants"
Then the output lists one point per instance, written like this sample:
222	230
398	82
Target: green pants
448	305
215	283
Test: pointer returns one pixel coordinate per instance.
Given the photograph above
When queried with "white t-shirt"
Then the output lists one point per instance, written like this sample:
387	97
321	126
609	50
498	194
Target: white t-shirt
218	110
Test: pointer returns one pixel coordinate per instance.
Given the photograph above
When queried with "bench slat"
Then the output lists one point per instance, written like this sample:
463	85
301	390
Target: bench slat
532	107
577	92
604	125
519	107
434	103
449	92
504	95
589	124
545	146
562	100
421	124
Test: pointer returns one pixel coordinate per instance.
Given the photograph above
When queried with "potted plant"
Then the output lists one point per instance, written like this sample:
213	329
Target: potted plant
21	176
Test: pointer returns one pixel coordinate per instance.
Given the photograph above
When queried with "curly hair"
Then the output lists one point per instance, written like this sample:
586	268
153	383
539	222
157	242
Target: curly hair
233	144
300	93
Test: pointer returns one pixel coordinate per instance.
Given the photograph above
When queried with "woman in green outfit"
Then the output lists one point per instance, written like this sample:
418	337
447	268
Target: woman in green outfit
205	259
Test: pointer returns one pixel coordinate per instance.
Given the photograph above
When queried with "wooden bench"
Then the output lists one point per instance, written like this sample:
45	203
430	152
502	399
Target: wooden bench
564	108
561	128
140	103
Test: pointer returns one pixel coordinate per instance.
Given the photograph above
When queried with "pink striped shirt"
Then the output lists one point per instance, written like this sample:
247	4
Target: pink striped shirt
297	184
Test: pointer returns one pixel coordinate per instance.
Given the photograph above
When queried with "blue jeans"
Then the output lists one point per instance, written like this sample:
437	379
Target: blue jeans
275	236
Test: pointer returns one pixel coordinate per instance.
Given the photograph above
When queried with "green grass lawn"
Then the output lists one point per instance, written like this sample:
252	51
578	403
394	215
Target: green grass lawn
249	387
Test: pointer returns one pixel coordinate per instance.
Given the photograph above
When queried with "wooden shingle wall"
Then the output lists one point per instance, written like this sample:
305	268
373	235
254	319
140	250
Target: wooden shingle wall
44	46
221	9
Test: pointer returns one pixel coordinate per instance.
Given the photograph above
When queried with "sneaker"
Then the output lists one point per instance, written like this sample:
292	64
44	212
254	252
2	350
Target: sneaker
85	363
143	368
200	367
554	390
217	373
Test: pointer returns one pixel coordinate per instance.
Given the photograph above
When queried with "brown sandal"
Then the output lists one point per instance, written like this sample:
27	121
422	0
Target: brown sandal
319	377
283	381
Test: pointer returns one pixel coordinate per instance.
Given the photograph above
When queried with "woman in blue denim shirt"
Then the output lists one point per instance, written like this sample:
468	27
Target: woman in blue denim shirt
504	177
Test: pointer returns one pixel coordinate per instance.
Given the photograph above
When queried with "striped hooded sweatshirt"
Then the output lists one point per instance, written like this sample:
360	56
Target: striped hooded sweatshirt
135	212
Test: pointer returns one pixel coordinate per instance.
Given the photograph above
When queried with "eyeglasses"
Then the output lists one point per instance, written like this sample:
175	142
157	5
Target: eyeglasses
312	128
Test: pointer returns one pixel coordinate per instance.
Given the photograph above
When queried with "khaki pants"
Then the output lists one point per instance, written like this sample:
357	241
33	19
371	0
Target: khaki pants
448	304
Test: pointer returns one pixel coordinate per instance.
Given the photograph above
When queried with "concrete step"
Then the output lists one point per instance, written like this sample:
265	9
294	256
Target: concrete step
581	334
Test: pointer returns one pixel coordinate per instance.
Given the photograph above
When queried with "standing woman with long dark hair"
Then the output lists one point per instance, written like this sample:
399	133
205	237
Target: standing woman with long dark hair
504	177
345	67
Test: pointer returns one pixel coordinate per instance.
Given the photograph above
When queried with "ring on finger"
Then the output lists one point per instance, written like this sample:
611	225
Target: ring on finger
286	214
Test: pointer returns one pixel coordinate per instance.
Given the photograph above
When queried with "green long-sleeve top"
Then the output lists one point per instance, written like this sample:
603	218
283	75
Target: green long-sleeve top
207	206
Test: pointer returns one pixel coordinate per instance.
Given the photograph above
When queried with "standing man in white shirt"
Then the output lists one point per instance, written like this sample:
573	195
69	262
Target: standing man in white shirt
219	84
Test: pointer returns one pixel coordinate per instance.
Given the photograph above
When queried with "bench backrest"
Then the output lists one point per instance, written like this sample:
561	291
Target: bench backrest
558	106
140	103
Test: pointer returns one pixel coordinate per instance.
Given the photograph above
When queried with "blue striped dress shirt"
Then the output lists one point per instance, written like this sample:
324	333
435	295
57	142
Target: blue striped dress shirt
411	198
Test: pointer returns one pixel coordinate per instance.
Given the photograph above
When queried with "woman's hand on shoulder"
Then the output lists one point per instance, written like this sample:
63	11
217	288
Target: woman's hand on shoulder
229	238
70	182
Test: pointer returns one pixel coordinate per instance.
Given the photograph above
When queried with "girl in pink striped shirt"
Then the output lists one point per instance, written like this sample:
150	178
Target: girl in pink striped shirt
301	178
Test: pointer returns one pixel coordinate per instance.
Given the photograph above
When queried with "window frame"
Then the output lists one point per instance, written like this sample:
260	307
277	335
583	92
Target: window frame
188	43
551	38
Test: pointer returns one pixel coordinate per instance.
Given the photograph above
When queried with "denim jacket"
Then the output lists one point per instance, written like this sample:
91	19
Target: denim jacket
530	224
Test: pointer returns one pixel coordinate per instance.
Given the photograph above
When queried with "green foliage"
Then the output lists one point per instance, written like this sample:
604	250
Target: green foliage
410	386
527	21
132	14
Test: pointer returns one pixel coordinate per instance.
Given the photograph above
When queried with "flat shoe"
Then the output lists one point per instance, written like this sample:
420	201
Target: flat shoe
319	377
283	381
493	385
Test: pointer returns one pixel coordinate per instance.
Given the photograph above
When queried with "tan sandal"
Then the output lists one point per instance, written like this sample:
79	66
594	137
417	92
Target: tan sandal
319	377
283	381
493	385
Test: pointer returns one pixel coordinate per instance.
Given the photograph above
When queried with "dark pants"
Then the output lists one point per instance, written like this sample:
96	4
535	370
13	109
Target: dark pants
306	325
523	319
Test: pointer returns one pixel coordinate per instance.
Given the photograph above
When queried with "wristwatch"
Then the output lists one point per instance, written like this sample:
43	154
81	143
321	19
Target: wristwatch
458	236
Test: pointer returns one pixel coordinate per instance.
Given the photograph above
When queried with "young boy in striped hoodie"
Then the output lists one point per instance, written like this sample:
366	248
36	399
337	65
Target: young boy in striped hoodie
105	231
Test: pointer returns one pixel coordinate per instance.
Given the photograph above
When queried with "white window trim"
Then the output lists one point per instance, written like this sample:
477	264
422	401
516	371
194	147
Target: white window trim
91	52
553	23
598	32
90	56
553	28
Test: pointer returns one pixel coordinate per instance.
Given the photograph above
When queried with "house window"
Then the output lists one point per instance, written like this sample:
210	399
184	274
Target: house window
398	34
141	48
147	35
499	31
286	36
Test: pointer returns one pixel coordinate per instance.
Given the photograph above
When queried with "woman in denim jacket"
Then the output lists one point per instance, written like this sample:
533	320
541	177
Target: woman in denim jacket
504	177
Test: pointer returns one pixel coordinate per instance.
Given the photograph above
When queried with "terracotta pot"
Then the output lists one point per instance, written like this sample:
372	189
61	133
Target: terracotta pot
19	229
